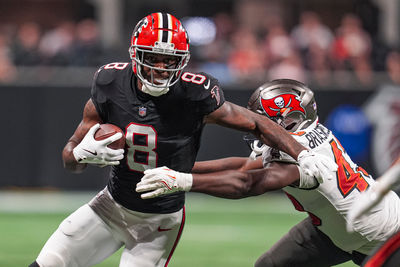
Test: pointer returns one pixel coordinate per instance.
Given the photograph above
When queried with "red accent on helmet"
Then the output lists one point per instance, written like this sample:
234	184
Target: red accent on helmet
159	33
285	101
152	27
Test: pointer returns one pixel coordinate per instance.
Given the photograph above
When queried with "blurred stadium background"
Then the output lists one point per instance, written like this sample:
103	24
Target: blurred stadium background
348	51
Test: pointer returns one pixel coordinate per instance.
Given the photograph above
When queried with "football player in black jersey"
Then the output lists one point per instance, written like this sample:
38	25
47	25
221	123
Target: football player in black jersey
162	110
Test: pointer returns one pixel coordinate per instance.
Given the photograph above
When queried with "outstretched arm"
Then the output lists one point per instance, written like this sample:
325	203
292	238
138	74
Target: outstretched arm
231	163
273	135
226	184
240	184
270	133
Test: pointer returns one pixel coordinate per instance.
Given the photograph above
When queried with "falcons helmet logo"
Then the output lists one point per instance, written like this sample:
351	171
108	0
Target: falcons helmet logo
284	103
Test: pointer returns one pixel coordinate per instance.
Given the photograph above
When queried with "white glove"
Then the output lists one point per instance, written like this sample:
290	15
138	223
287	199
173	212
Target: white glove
89	150
305	181
373	195
316	165
163	181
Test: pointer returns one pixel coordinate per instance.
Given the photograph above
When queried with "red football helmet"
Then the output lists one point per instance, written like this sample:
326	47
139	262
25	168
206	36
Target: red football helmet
288	102
161	34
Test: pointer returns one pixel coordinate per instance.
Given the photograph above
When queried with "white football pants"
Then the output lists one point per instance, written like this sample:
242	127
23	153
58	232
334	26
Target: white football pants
86	238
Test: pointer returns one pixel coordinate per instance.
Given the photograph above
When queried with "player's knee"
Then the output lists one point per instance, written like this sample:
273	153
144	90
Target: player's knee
51	259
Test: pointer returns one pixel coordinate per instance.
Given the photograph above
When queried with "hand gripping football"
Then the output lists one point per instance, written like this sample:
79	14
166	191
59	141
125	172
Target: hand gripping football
106	130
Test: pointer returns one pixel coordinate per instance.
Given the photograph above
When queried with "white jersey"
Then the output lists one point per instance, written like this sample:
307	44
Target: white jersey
328	203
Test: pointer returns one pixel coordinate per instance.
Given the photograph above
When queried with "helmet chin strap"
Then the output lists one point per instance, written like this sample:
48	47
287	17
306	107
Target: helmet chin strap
149	88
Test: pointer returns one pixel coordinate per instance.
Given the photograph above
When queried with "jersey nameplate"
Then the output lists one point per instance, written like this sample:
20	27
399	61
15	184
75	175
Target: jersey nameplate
317	136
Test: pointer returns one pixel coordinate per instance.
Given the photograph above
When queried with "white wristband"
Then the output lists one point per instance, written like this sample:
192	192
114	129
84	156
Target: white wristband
187	181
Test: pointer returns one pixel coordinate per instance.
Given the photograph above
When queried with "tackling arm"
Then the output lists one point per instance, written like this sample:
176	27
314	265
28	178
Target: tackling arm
244	183
270	133
231	163
273	135
231	184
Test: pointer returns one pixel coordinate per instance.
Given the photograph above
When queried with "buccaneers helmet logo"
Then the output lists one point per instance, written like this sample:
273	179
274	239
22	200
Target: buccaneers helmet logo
278	105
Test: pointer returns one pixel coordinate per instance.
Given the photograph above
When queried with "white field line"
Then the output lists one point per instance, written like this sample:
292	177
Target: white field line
42	202
49	202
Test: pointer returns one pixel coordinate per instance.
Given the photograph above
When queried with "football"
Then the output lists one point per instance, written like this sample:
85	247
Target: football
106	130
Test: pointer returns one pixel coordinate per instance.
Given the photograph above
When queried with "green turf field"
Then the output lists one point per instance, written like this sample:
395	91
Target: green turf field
218	232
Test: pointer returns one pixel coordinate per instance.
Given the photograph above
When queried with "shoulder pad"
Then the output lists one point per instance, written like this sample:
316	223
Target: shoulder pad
313	136
198	80
107	73
199	85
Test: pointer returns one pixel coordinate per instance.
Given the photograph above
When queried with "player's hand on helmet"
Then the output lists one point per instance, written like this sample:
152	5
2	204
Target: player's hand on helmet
317	165
93	151
163	181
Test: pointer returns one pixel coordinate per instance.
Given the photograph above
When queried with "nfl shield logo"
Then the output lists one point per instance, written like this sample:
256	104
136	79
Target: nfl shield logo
142	111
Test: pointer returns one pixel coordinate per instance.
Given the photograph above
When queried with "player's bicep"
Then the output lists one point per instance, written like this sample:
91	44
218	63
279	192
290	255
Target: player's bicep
90	117
233	116
231	163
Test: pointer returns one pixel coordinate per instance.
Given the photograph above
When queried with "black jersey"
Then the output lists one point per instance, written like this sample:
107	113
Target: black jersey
159	131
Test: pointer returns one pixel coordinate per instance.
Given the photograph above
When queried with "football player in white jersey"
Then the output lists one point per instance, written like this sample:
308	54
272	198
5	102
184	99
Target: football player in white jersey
322	238
387	255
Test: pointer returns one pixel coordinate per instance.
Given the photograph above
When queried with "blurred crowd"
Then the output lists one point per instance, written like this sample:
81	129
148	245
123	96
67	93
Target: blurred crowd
310	51
240	54
68	44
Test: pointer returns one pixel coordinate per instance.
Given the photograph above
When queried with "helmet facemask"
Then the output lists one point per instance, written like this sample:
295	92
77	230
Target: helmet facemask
156	36
158	87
